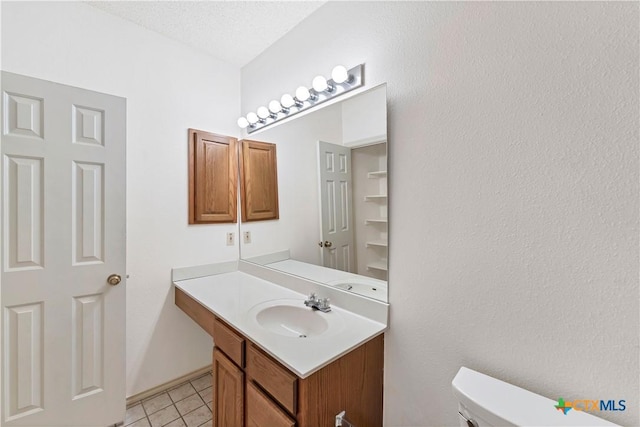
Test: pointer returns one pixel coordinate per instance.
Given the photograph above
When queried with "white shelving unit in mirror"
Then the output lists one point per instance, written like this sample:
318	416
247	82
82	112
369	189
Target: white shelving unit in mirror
370	187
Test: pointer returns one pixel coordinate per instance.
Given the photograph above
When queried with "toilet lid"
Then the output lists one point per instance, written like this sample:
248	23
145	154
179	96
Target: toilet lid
501	403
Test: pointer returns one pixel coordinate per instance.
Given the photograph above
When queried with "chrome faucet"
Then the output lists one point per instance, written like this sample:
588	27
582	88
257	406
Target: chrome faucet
322	304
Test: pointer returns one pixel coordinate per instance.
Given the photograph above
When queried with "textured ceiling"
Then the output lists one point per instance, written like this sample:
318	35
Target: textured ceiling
233	31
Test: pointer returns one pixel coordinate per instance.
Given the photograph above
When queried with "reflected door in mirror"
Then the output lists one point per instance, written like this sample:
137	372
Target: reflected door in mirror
335	204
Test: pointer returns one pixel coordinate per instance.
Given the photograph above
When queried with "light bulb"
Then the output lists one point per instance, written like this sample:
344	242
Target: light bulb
252	118
339	74
243	122
302	94
263	112
275	107
319	84
287	101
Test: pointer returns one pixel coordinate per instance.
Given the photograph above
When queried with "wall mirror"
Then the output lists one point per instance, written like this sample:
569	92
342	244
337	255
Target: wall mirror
332	185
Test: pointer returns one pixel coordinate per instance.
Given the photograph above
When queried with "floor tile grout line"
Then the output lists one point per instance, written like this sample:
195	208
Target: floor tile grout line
173	402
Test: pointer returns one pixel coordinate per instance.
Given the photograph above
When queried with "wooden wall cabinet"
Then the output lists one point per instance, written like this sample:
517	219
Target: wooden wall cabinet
251	389
258	181
213	171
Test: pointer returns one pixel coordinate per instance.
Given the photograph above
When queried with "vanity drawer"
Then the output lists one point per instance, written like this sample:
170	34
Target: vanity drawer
229	341
261	411
275	379
197	312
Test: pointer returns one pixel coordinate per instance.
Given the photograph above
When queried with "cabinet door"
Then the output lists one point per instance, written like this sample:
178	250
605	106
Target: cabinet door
228	396
213	174
263	412
258	181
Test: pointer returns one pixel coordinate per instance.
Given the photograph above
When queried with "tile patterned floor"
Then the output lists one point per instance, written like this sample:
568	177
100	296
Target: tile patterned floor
186	405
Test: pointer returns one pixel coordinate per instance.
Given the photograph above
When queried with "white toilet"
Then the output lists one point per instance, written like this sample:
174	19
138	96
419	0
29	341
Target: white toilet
486	401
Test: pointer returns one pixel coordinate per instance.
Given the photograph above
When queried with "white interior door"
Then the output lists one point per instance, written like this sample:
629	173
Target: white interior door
336	211
63	233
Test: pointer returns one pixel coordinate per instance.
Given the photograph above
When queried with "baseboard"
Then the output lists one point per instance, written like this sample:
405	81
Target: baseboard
168	385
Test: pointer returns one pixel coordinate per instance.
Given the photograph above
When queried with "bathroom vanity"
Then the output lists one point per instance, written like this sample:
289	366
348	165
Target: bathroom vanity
275	361
278	363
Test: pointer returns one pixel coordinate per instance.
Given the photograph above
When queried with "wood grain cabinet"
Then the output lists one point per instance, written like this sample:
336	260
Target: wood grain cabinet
258	181
251	389
262	411
213	182
228	392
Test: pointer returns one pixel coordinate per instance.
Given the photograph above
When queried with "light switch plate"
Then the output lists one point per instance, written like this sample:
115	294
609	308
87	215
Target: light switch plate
231	239
247	236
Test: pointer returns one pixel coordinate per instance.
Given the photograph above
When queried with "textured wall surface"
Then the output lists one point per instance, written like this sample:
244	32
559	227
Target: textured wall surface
169	88
513	132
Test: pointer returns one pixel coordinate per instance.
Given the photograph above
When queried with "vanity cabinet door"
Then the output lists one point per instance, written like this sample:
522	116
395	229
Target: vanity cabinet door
228	393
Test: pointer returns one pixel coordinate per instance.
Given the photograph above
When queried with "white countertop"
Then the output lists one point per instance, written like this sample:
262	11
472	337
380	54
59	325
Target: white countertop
231	296
374	288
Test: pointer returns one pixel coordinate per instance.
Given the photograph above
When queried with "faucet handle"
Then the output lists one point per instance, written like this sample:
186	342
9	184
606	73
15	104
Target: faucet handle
325	303
313	297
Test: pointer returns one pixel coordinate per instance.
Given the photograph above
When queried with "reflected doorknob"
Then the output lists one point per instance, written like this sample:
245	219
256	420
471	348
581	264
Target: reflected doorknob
114	279
327	244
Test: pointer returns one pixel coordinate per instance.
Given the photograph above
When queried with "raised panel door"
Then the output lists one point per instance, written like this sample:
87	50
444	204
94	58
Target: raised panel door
63	227
259	181
228	392
336	210
213	172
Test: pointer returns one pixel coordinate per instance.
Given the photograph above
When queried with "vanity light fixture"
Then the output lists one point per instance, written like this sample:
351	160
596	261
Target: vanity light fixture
275	107
243	122
287	102
263	113
342	81
340	74
253	119
303	94
320	84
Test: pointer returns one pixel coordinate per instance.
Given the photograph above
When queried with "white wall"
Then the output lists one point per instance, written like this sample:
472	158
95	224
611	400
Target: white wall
169	88
514	189
362	121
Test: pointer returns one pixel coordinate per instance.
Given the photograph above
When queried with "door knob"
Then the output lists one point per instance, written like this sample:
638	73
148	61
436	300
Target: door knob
327	244
114	279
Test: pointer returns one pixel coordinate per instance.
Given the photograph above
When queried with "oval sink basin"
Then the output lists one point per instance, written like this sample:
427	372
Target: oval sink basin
291	321
291	318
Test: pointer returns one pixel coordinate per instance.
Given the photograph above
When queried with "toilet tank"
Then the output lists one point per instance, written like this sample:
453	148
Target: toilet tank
490	402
